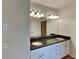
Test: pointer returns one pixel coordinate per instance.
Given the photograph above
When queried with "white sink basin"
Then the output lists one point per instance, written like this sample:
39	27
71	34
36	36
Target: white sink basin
37	43
59	39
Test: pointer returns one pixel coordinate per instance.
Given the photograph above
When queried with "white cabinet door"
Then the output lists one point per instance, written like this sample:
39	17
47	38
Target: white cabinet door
58	51
67	47
62	49
46	52
36	56
53	51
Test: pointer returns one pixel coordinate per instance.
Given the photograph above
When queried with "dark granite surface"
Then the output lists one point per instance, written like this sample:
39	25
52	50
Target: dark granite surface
47	40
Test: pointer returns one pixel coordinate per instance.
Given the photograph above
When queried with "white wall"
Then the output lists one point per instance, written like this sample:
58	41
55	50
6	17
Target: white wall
35	27
67	25
16	40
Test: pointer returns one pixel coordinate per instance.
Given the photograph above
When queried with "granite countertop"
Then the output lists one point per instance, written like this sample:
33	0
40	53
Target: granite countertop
47	40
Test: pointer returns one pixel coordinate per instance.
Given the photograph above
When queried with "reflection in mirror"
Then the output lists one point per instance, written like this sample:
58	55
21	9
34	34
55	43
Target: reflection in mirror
43	20
35	27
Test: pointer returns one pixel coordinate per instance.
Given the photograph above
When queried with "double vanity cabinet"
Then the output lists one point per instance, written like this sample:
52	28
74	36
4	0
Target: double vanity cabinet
53	51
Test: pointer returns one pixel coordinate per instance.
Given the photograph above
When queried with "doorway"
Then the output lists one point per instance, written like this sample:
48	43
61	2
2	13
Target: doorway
43	28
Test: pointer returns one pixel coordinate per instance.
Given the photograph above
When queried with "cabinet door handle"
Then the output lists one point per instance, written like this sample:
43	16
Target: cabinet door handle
43	55
40	56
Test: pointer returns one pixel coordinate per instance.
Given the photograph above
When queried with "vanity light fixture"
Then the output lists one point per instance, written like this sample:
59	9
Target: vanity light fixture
40	15
52	17
36	14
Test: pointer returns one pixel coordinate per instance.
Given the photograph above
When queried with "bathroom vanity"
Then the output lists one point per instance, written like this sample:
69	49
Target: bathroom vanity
50	47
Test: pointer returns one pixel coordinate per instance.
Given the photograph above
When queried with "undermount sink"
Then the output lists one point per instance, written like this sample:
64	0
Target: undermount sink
59	39
37	43
54	40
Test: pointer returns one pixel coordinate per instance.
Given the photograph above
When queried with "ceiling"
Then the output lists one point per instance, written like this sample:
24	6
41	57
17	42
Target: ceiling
57	4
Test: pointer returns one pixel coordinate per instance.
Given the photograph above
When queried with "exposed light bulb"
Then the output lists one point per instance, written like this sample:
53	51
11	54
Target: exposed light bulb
32	14
41	15
56	17
50	17
37	14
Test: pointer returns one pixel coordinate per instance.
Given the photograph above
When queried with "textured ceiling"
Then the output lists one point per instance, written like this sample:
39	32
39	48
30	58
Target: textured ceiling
57	4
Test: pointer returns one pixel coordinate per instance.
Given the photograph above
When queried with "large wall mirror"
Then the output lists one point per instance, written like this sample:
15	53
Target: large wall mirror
41	21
